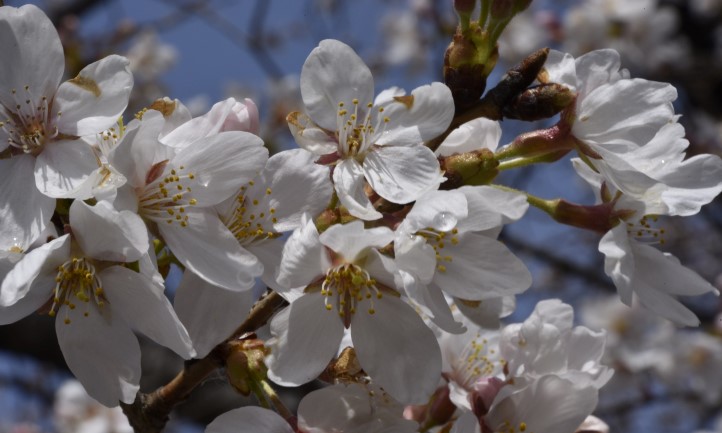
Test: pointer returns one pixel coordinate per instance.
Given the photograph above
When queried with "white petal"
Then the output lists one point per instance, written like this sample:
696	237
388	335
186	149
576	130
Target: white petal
249	419
466	423
560	68
596	68
35	265
481	133
389	341
227	115
304	257
482	268
298	186
625	113
209	313
102	353
310	136
424	116
106	234
440	210
549	404
209	249
348	179
63	167
334	73
270	253
306	337
402	174
134	298
491	207
351	239
95	99
430	300
487	313
221	164
619	261
29	38
24	211
134	154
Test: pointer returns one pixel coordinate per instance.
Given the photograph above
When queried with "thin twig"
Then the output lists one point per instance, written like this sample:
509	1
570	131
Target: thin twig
149	412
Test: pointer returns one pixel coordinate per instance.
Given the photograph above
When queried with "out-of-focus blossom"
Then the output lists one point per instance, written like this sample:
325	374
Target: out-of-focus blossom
74	411
149	58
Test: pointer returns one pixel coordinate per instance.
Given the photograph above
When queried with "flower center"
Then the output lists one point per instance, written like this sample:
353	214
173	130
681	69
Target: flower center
475	362
76	281
166	198
349	285
437	239
644	232
356	130
27	122
253	217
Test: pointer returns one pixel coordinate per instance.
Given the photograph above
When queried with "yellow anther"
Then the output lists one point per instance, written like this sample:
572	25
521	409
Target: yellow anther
268	191
193	201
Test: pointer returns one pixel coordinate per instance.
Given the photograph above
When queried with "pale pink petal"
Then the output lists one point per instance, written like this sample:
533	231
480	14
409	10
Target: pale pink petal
94	100
306	337
402	174
134	298
334	73
101	352
391	339
227	115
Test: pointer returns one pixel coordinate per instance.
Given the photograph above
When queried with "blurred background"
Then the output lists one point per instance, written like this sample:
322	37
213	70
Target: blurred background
667	379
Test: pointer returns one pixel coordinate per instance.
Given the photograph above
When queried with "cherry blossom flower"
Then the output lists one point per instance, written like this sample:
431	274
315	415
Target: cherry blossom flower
345	282
41	117
377	140
440	247
272	203
176	189
97	301
542	375
633	264
612	113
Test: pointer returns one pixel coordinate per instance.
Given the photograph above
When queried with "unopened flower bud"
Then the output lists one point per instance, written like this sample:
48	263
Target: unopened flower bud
245	365
502	10
478	167
539	102
464	6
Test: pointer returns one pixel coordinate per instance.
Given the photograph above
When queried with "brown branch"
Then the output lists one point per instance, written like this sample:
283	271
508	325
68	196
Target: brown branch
149	412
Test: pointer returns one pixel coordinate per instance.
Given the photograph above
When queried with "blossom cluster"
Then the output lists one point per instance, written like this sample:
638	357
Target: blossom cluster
380	231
